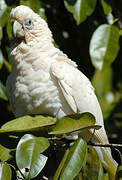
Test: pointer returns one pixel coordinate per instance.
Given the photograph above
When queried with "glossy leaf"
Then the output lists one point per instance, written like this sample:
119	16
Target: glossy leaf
28	157
5	172
104	45
80	8
3	93
74	122
75	160
4	153
27	123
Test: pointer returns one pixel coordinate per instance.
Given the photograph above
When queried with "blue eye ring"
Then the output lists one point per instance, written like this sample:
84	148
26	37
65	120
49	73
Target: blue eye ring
28	24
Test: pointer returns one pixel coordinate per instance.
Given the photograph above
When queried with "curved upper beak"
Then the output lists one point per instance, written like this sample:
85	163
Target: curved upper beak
18	29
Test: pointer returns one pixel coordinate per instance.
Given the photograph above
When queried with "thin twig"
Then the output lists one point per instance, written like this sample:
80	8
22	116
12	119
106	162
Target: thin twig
106	145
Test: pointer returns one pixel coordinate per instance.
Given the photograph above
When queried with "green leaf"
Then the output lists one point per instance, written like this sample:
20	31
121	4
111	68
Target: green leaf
5	16
9	28
75	160
78	177
28	157
27	123
1	33
80	8
2	6
74	122
42	13
108	103
102	81
104	45
119	173
100	172
60	167
92	167
1	59
35	5
3	93
4	154
106	7
7	65
5	172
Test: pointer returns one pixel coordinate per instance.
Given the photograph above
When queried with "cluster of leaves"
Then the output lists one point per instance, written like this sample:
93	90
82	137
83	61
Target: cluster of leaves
28	154
22	151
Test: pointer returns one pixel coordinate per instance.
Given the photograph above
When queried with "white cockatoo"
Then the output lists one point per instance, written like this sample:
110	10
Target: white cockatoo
45	81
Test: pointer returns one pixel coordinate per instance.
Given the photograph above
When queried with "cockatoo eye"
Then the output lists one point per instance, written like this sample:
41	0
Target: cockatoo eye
28	24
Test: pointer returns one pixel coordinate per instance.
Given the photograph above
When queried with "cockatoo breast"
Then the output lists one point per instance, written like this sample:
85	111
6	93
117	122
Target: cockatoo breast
33	89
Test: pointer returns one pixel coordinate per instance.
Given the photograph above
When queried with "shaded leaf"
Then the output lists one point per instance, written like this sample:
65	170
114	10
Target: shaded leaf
5	18
3	93
104	45
2	6
9	28
28	157
61	165
78	177
119	173
42	13
5	172
108	103
93	167
4	153
7	65
74	122
34	5
75	160
1	59
102	81
100	172
106	7
80	8
27	123
1	33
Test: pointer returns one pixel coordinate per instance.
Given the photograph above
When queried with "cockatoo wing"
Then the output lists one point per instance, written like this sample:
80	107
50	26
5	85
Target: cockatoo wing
78	93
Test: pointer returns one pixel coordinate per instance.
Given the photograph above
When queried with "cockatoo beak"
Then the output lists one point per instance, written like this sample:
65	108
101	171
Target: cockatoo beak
17	27
18	30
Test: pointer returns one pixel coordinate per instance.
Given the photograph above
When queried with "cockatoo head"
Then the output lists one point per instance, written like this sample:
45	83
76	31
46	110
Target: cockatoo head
28	26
